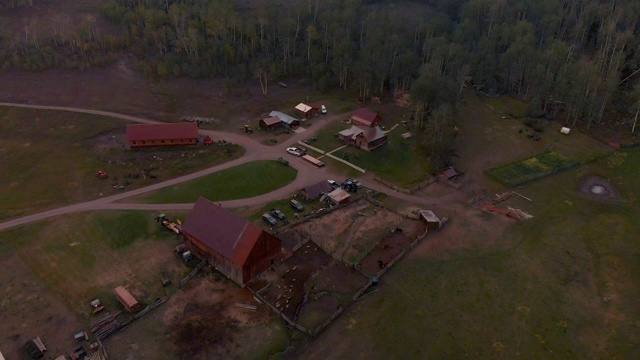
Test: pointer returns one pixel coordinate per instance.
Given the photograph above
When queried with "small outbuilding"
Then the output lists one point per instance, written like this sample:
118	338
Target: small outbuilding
315	191
271	122
365	118
286	119
432	221
174	134
339	197
126	299
235	247
307	110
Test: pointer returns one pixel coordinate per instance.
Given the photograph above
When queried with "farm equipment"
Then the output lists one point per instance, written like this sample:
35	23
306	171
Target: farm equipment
101	174
247	129
169	225
283	161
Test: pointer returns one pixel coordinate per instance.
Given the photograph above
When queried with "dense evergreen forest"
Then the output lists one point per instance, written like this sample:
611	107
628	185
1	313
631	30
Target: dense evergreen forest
582	53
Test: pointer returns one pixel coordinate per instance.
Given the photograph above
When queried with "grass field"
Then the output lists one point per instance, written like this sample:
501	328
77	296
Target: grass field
83	256
531	168
80	257
563	285
243	181
49	158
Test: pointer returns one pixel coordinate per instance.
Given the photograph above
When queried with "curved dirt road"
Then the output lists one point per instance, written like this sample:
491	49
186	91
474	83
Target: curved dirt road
254	151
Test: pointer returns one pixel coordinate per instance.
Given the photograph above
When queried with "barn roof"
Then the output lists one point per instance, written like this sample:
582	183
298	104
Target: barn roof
373	134
162	131
429	216
351	132
222	231
272	120
364	116
125	296
315	190
338	195
304	107
284	117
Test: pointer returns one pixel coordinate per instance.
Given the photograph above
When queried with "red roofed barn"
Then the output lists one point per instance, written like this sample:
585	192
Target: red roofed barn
365	118
234	246
144	135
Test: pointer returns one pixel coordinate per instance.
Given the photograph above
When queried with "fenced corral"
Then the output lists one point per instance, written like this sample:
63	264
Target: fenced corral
193	273
430	180
309	289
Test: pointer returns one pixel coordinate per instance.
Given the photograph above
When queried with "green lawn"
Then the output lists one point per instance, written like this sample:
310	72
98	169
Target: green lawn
531	168
84	256
49	159
243	181
399	161
563	285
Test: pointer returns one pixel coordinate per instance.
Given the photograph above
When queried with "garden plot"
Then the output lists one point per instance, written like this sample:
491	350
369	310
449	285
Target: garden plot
531	168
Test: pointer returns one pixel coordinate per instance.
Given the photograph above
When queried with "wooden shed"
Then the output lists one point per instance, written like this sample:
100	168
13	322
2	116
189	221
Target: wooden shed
314	191
307	110
432	221
126	299
235	247
339	197
271	122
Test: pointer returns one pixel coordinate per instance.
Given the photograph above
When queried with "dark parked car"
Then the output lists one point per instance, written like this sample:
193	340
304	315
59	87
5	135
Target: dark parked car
269	219
278	214
296	205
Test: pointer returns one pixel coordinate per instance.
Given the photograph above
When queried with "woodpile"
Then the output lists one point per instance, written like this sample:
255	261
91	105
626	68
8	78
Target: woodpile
198	119
403	100
106	325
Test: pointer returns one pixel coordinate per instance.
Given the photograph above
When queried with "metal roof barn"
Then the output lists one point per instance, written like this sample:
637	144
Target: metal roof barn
235	247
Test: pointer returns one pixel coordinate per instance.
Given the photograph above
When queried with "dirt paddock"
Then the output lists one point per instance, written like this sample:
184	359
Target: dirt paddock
309	286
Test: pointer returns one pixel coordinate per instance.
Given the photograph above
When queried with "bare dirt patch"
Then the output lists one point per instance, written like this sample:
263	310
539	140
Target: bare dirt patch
352	232
29	309
307	275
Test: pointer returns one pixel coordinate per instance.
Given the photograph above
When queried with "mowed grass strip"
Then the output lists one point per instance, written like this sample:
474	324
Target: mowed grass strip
531	168
240	182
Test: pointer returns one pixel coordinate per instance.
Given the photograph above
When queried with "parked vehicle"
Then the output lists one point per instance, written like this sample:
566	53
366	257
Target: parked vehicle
323	109
295	151
269	219
356	182
333	184
296	205
278	214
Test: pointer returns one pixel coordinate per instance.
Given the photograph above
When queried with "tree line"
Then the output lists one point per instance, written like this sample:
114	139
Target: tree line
582	54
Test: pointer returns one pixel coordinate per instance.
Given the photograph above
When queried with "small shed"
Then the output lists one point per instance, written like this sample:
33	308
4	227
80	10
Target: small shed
314	191
339	197
432	221
271	122
307	110
126	299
